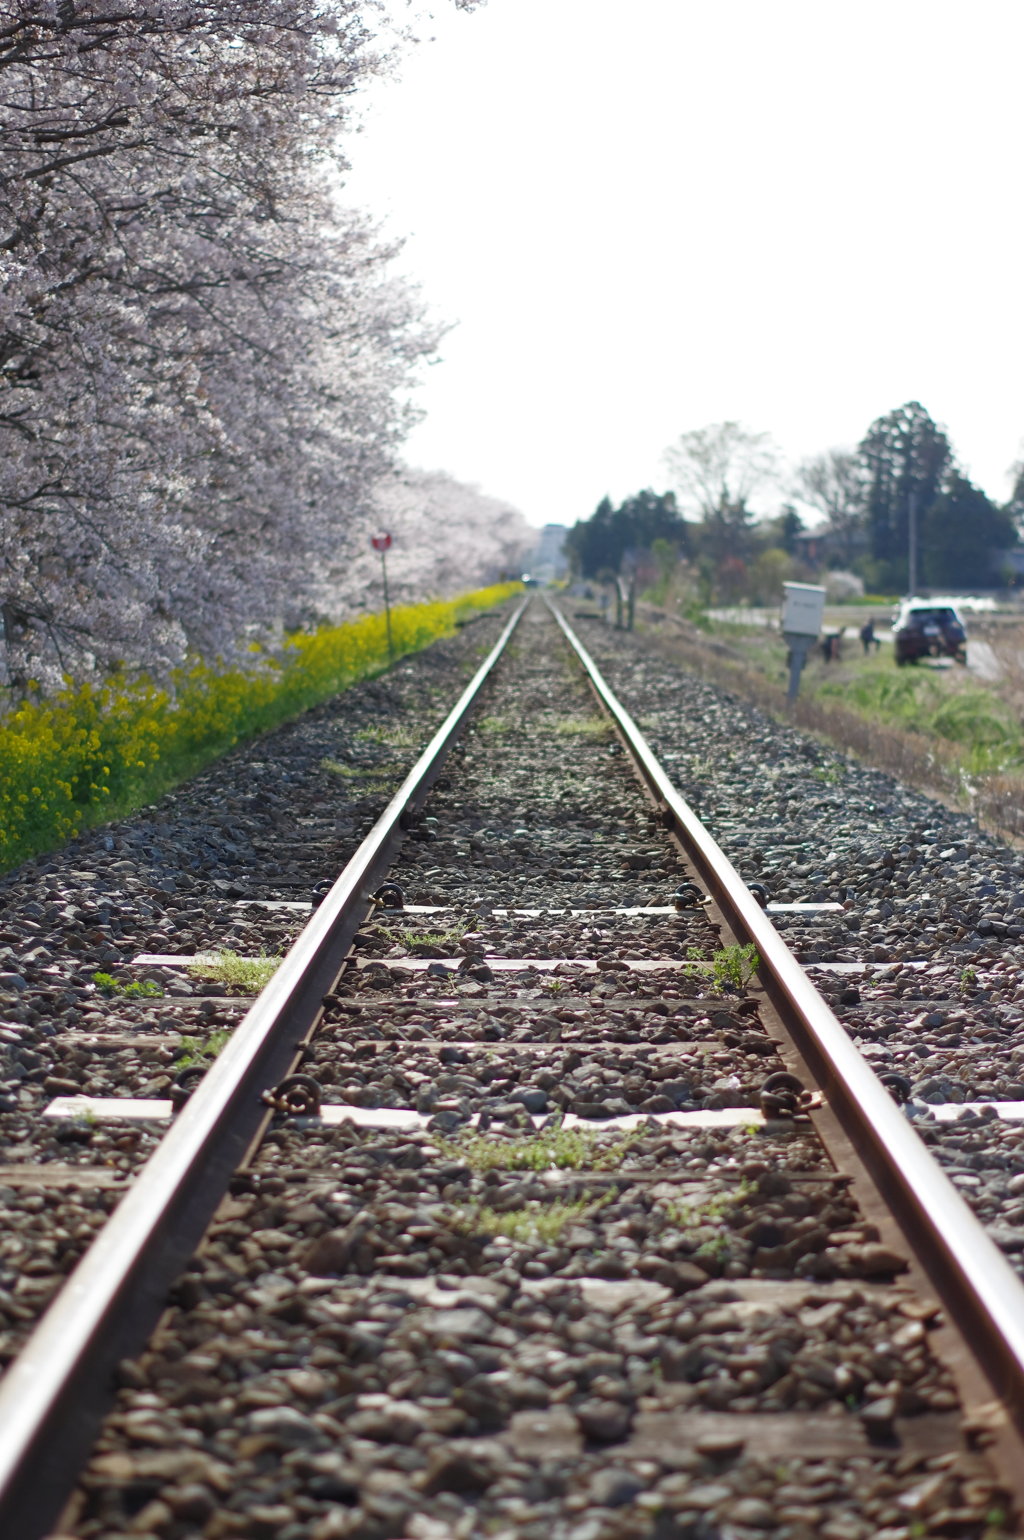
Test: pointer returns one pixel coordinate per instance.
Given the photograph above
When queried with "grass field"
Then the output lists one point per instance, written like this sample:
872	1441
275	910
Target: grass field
955	730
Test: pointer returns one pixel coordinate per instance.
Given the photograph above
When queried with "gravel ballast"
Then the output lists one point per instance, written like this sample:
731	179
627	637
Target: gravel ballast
639	1328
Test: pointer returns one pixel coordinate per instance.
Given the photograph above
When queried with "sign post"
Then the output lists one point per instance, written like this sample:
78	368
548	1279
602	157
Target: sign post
803	608
382	543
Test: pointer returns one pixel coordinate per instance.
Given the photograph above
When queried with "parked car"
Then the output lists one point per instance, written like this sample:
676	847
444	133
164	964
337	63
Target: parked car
924	630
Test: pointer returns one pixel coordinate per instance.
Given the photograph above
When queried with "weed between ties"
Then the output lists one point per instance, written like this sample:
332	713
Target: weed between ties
731	969
549	1149
563	1149
687	1215
145	989
734	967
585	727
399	736
247	973
369	773
421	940
534	1222
192	1051
968	980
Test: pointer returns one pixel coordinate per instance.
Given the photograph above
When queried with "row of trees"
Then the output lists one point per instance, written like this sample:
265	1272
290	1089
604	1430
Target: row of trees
204	359
611	537
903	470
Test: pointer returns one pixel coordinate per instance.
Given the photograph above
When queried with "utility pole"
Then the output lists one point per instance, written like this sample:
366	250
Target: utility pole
912	539
382	543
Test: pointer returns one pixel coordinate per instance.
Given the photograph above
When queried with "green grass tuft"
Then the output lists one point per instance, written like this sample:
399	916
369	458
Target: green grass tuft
138	989
564	1149
248	973
734	966
585	727
192	1051
534	1223
423	940
397	737
350	772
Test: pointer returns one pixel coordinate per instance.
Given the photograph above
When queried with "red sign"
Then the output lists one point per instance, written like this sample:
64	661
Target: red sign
381	542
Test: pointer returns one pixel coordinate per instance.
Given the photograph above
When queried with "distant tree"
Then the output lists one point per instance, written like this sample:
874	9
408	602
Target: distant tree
1015	506
600	542
788	526
666	560
726	533
963	536
767	574
904	458
590	540
718	469
833	483
649	516
722	466
732	579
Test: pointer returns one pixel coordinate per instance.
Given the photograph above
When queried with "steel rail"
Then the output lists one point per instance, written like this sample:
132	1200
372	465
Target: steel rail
55	1392
981	1292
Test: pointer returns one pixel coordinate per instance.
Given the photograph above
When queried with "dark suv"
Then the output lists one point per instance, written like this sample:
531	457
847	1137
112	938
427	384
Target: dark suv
923	630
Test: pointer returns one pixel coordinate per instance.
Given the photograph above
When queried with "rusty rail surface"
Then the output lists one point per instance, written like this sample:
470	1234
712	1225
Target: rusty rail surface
56	1391
981	1292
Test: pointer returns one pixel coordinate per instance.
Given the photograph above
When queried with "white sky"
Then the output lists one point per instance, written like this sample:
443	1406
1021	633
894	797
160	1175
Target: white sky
650	215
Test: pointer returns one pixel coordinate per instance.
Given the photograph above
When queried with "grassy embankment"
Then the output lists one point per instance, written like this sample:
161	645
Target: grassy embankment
97	751
941	727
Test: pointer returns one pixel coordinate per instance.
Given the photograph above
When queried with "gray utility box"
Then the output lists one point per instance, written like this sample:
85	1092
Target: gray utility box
803	608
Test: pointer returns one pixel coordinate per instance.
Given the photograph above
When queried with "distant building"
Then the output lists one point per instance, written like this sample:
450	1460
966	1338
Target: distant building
823	547
548	561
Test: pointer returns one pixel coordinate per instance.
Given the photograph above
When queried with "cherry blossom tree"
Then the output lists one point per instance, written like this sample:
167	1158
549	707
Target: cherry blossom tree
204	364
448	536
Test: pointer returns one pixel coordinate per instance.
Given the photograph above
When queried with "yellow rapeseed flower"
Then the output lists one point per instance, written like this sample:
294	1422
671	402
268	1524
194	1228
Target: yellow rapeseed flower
119	743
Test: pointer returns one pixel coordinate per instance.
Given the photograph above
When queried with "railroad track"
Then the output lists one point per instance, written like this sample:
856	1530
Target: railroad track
551	1231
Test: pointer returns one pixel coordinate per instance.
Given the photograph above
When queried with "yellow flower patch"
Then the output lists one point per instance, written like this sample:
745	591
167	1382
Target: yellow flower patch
99	750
